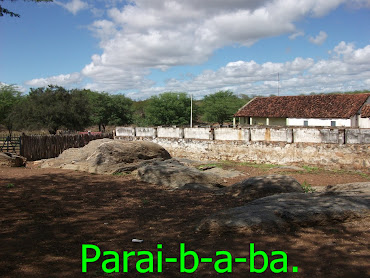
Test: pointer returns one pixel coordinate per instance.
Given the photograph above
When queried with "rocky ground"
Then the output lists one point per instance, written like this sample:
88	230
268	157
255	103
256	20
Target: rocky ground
47	214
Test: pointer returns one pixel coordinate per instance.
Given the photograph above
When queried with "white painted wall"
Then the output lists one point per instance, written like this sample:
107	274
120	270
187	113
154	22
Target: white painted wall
231	134
198	133
146	132
318	122
364	122
125	131
170	132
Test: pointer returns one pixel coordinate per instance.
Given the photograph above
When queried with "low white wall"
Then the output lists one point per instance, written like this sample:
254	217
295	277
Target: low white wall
258	134
351	156
306	135
170	132
255	134
231	134
125	131
198	133
146	132
357	136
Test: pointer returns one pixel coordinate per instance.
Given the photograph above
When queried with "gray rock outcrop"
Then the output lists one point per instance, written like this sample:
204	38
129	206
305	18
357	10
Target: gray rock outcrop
107	156
284	212
262	186
176	175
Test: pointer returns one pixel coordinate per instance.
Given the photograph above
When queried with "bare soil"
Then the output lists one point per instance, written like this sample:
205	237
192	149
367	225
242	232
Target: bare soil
47	214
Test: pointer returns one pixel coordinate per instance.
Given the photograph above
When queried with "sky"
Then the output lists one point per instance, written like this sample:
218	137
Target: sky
142	48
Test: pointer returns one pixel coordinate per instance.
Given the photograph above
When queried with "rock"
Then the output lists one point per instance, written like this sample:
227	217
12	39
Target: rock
222	173
12	160
107	156
284	212
350	189
262	186
176	175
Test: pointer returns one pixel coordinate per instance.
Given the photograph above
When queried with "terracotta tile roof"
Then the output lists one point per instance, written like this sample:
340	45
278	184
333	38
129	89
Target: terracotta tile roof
365	111
310	106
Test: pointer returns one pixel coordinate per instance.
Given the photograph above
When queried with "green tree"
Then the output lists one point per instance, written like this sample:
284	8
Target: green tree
9	98
109	109
4	11
169	108
53	108
220	107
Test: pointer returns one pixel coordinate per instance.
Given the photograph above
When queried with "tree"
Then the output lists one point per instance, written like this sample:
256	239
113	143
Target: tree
220	107
53	108
107	109
4	11
168	109
9	97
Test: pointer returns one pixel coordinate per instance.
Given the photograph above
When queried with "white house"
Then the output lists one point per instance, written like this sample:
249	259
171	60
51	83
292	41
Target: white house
337	110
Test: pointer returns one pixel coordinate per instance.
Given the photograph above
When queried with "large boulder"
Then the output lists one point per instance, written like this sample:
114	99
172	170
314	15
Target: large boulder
12	160
262	186
176	175
284	212
107	156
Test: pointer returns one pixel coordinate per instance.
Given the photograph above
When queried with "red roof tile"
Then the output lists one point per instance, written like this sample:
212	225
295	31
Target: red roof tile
365	111
310	106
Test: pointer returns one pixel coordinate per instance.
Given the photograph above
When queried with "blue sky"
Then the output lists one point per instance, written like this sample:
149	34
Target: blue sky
146	47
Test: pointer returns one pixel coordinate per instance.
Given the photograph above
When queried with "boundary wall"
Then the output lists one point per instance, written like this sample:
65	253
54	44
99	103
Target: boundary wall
325	147
254	134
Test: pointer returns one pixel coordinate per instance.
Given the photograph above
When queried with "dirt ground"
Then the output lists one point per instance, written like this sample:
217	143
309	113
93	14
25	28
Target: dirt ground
47	214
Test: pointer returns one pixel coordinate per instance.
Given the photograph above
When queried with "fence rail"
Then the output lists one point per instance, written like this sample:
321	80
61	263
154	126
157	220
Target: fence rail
35	147
10	144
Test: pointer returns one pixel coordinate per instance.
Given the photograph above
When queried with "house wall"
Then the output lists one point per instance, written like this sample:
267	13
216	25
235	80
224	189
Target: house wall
258	121
364	122
278	121
319	122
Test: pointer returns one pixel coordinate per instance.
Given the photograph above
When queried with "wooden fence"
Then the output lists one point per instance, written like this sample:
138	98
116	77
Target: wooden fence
35	147
10	144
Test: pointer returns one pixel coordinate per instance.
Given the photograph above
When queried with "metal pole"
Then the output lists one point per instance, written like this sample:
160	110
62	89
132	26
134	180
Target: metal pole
191	110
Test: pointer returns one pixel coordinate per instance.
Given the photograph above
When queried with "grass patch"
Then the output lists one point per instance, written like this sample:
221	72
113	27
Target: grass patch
311	169
307	188
10	185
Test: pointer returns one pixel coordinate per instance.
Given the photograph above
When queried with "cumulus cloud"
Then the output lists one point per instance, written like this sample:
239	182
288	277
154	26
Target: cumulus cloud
319	39
141	35
348	70
74	6
296	35
61	80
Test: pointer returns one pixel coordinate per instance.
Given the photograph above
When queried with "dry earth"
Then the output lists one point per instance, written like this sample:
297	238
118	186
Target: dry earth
47	214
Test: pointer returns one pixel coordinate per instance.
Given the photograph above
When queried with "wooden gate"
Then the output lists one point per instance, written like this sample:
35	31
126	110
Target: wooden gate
10	144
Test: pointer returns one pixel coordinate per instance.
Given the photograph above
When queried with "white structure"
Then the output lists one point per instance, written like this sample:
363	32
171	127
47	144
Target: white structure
340	110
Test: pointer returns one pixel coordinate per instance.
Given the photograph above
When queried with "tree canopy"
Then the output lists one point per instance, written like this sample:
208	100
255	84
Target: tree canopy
168	108
220	107
9	98
4	11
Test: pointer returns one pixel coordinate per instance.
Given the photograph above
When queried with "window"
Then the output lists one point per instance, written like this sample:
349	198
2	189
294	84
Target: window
333	123
305	123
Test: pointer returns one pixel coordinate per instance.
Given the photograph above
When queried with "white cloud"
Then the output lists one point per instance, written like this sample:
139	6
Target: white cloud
61	80
74	6
141	35
296	35
319	39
